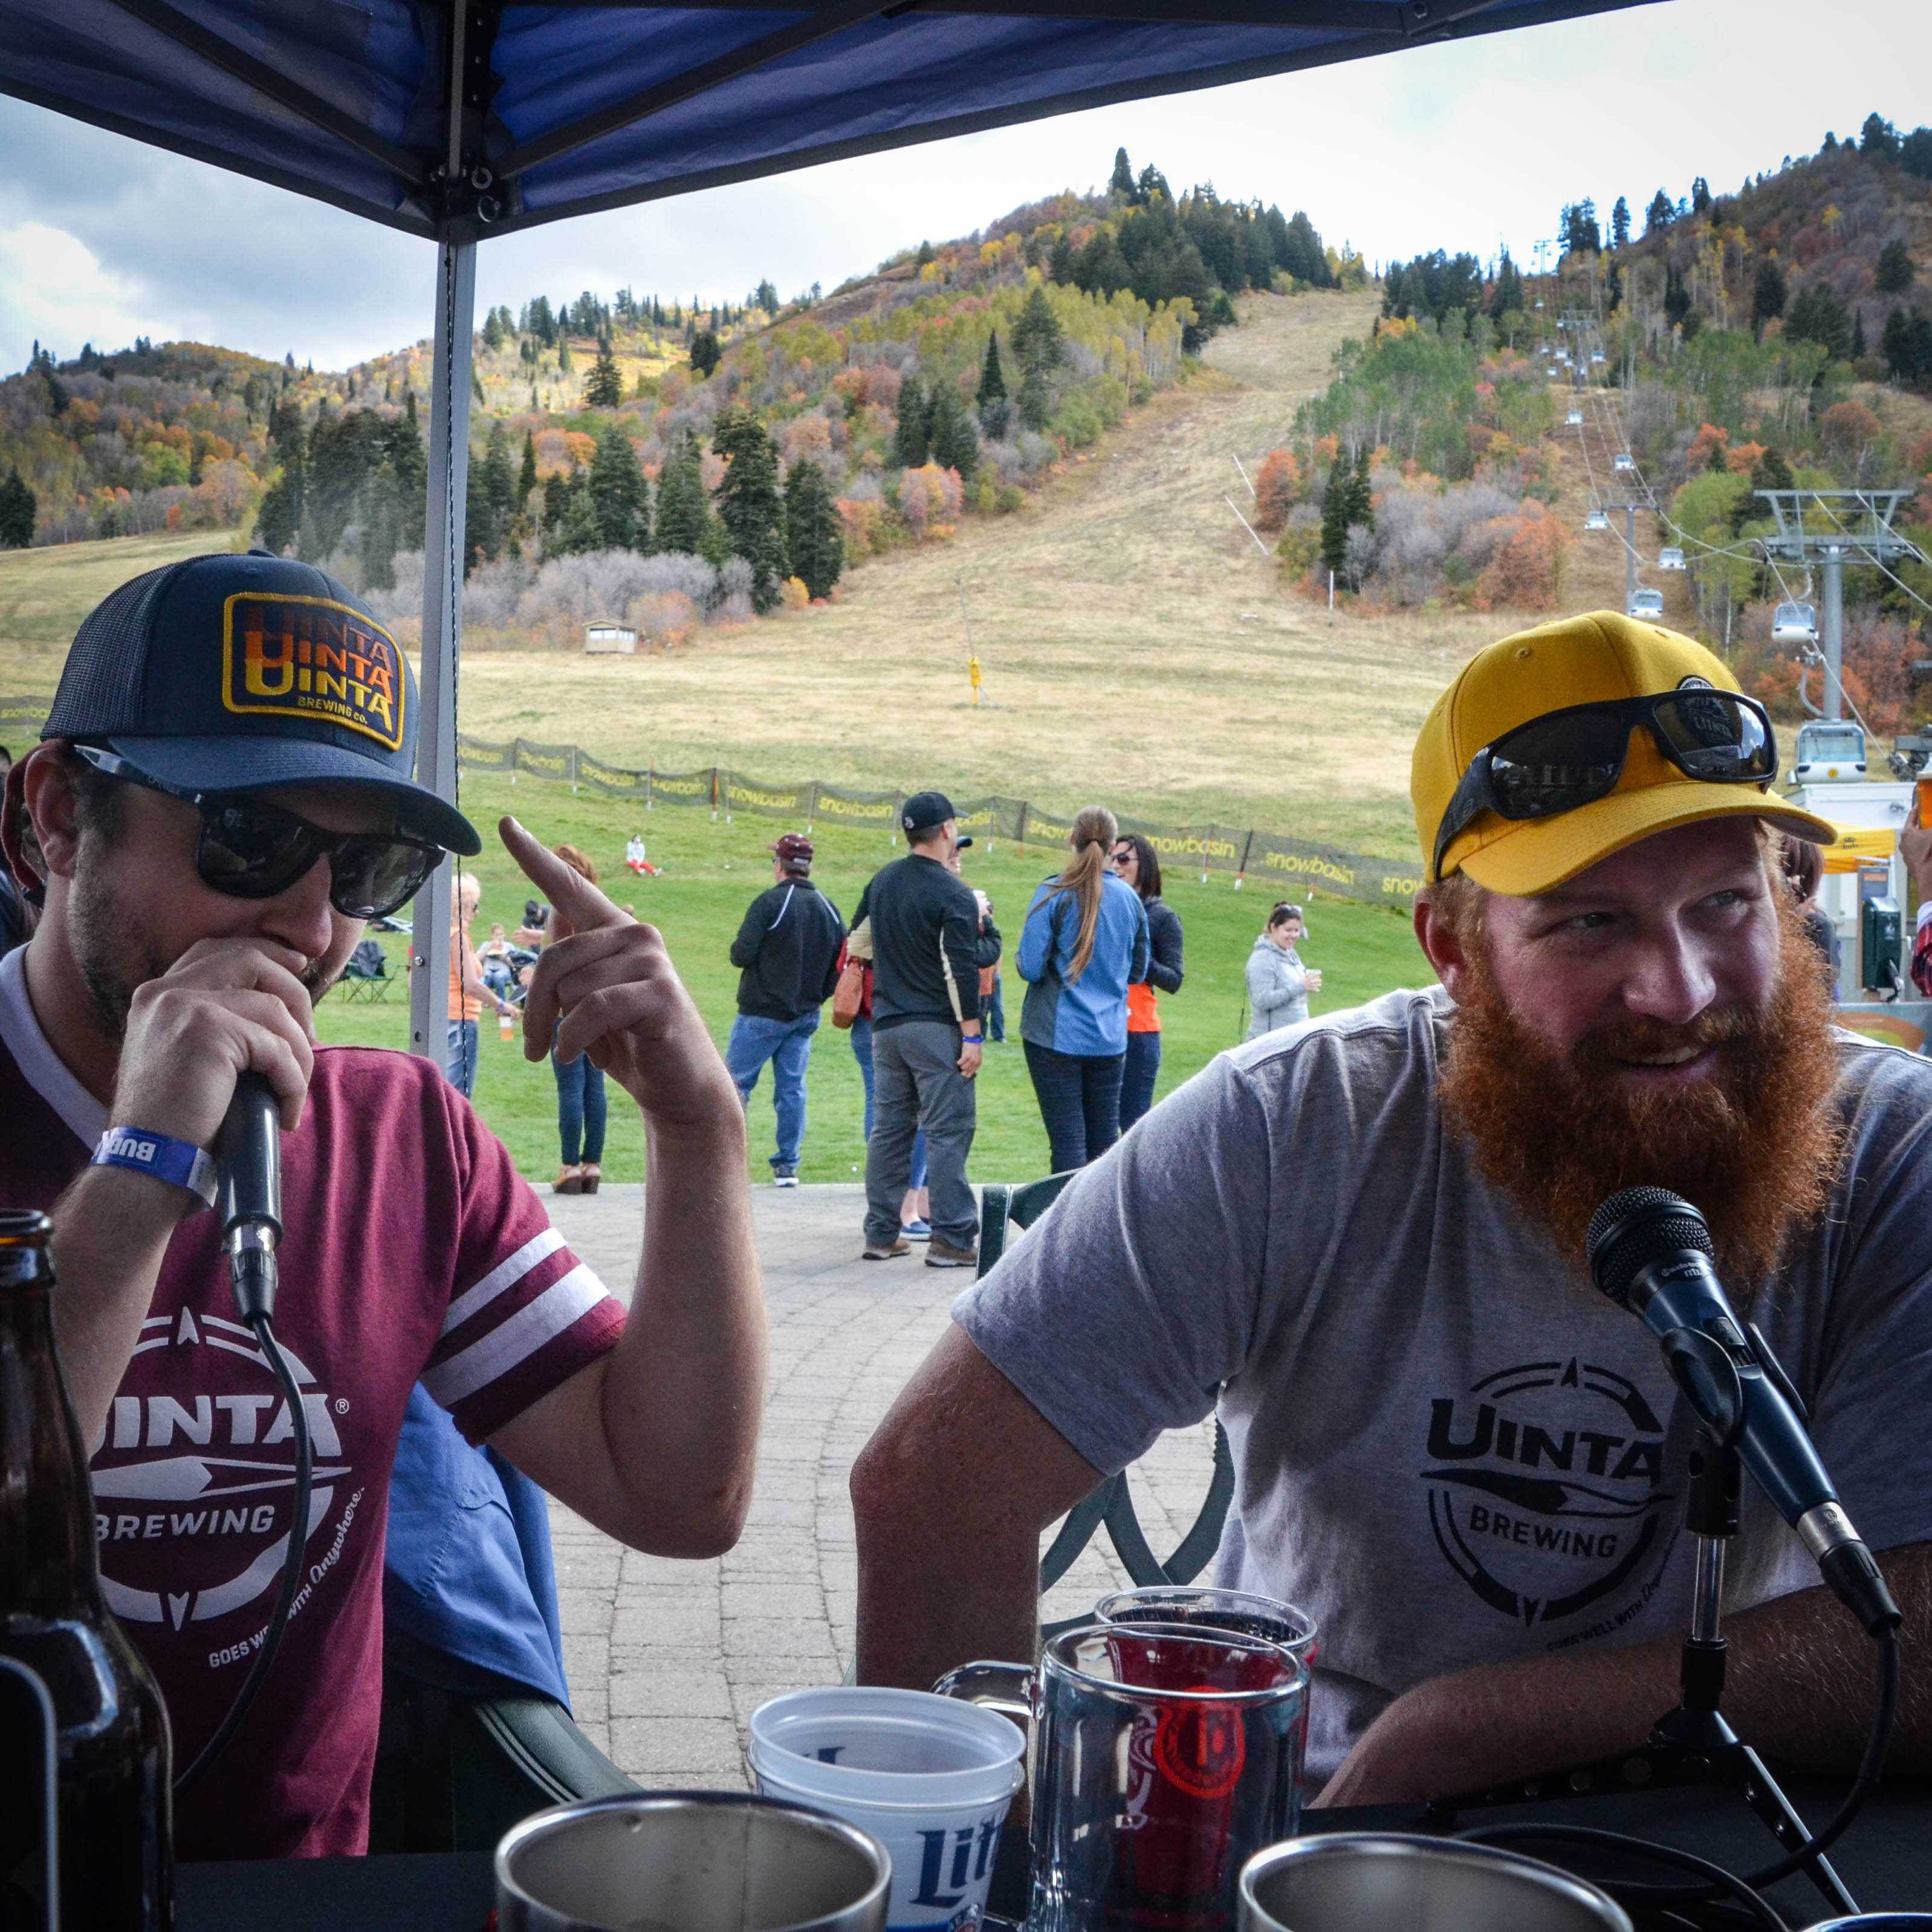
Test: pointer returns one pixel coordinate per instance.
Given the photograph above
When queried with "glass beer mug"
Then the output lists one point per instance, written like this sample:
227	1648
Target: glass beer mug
1164	1756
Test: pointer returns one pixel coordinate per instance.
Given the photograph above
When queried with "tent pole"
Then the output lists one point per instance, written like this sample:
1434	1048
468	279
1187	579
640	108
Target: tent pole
441	626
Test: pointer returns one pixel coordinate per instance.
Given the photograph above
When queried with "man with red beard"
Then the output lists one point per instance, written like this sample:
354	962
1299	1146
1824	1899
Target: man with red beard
1362	1240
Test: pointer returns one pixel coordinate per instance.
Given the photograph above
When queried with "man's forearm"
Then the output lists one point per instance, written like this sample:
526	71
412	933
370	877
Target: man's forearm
1800	1685
684	1392
111	1233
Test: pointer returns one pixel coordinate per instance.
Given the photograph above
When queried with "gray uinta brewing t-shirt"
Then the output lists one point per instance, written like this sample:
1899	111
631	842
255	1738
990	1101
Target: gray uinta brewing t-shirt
1451	1450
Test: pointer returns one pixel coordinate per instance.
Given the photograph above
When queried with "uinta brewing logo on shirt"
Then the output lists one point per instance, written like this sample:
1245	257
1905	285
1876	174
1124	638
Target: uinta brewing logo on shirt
310	657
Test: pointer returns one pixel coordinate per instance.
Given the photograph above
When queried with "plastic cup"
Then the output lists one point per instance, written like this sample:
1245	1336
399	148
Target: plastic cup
930	1778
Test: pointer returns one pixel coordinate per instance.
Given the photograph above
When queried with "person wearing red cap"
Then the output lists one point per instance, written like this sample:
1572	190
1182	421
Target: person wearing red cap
1363	1242
786	952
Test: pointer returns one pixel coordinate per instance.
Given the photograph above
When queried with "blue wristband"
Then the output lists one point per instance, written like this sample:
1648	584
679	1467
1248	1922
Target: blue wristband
177	1162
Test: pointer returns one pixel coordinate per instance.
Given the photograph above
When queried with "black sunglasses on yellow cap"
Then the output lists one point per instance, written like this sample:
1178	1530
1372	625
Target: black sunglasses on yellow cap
250	849
1573	757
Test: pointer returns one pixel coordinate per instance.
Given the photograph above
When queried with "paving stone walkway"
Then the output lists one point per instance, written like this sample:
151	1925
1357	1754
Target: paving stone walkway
668	1660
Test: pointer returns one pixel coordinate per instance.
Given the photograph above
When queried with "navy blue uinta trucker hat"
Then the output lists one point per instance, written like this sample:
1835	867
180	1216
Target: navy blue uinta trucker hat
229	673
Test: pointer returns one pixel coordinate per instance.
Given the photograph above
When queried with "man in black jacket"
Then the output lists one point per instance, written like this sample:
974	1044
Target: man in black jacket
788	950
920	926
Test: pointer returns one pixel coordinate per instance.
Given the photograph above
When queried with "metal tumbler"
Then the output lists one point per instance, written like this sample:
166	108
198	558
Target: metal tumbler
689	1862
1358	1882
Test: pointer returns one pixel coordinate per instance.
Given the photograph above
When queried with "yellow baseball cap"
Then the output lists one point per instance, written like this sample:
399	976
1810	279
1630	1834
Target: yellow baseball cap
1600	656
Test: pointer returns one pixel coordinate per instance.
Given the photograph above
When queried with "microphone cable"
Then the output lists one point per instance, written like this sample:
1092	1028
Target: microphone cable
292	1565
1718	1881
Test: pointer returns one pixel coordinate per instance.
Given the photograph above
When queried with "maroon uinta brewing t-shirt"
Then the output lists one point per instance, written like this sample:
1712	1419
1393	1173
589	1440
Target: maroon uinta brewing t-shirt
413	1250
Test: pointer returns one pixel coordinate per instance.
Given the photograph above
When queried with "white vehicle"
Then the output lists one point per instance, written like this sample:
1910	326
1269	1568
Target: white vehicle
1794	624
1646	604
1828	748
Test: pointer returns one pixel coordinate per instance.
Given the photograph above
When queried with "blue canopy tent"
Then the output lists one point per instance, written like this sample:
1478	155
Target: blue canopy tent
456	122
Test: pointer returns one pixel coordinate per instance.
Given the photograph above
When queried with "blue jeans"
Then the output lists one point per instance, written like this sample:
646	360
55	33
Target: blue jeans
580	1109
1079	1095
786	1044
862	1051
459	1064
1138	1076
996	1010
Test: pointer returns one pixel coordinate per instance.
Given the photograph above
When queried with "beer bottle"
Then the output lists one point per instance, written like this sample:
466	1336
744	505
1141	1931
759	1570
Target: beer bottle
116	1844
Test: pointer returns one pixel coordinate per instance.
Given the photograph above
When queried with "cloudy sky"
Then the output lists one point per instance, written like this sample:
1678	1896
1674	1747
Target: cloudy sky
1463	146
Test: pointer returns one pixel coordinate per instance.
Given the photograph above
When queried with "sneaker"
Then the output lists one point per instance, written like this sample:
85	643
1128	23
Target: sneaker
877	1252
917	1231
785	1177
941	1253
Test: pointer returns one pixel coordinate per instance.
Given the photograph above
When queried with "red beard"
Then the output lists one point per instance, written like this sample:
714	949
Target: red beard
1755	1147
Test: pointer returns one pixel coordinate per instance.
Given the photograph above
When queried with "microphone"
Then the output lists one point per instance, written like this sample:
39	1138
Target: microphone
248	1154
1650	1252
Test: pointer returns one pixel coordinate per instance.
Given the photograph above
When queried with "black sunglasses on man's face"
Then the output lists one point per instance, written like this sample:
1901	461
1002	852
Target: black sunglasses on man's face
250	849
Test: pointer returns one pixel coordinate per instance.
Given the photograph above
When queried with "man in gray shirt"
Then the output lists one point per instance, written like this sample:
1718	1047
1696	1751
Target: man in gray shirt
1362	1239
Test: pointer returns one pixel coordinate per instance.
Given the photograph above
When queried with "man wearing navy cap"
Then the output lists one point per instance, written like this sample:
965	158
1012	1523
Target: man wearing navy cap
223	798
920	928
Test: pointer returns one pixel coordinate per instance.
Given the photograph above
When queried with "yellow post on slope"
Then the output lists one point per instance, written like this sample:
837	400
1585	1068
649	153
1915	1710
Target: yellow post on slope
973	672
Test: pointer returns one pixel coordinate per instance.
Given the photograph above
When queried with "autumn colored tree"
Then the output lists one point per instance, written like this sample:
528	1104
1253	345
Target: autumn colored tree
1277	482
749	506
814	532
929	495
604	389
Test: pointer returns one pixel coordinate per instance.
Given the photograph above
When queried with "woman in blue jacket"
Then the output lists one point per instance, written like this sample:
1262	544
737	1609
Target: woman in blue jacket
1084	942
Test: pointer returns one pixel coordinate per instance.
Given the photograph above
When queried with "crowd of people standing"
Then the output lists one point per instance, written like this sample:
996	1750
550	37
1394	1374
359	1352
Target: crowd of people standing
916	981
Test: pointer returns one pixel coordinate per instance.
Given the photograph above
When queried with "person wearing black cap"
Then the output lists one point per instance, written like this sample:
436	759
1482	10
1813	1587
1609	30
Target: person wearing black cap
920	926
223	797
787	952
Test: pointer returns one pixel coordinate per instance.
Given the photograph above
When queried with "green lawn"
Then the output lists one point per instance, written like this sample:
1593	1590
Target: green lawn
711	873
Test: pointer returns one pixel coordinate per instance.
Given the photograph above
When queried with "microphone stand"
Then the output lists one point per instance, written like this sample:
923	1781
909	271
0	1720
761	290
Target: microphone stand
1692	1744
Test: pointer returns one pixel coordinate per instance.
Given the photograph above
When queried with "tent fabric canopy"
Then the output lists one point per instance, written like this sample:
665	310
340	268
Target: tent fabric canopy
567	108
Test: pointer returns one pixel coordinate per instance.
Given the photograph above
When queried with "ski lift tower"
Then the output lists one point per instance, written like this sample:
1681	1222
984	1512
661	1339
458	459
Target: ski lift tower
1826	530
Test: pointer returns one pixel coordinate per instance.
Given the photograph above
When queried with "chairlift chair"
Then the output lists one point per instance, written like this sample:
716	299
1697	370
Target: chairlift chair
1596	355
1794	623
1575	419
1646	604
1670	557
1625	464
1596	520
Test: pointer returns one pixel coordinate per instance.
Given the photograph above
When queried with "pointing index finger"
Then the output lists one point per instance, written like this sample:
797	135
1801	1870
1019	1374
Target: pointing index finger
583	906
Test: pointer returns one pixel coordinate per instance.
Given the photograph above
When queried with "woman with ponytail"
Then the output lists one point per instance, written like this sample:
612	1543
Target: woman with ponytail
1084	942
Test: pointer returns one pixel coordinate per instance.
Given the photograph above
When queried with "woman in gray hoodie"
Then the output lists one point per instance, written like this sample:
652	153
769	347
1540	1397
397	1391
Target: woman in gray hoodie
1278	984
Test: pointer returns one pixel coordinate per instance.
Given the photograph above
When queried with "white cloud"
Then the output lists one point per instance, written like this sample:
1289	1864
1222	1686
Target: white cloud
53	289
1457	145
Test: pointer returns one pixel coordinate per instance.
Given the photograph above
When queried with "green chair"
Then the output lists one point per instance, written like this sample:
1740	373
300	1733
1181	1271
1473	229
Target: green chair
454	1770
1110	1504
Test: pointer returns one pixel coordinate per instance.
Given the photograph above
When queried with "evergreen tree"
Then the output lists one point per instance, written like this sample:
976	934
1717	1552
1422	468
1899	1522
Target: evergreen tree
954	443
684	520
578	530
1661	214
1036	341
1121	185
526	477
1700	196
1336	501
1717	463
1817	315
1858	335
1896	269
813	536
605	388
706	354
1060	259
493	330
912	437
995	412
1620	224
619	494
1508	292
767	298
278	522
924	255
563	362
749	506
19	508
1768	294
1152	184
